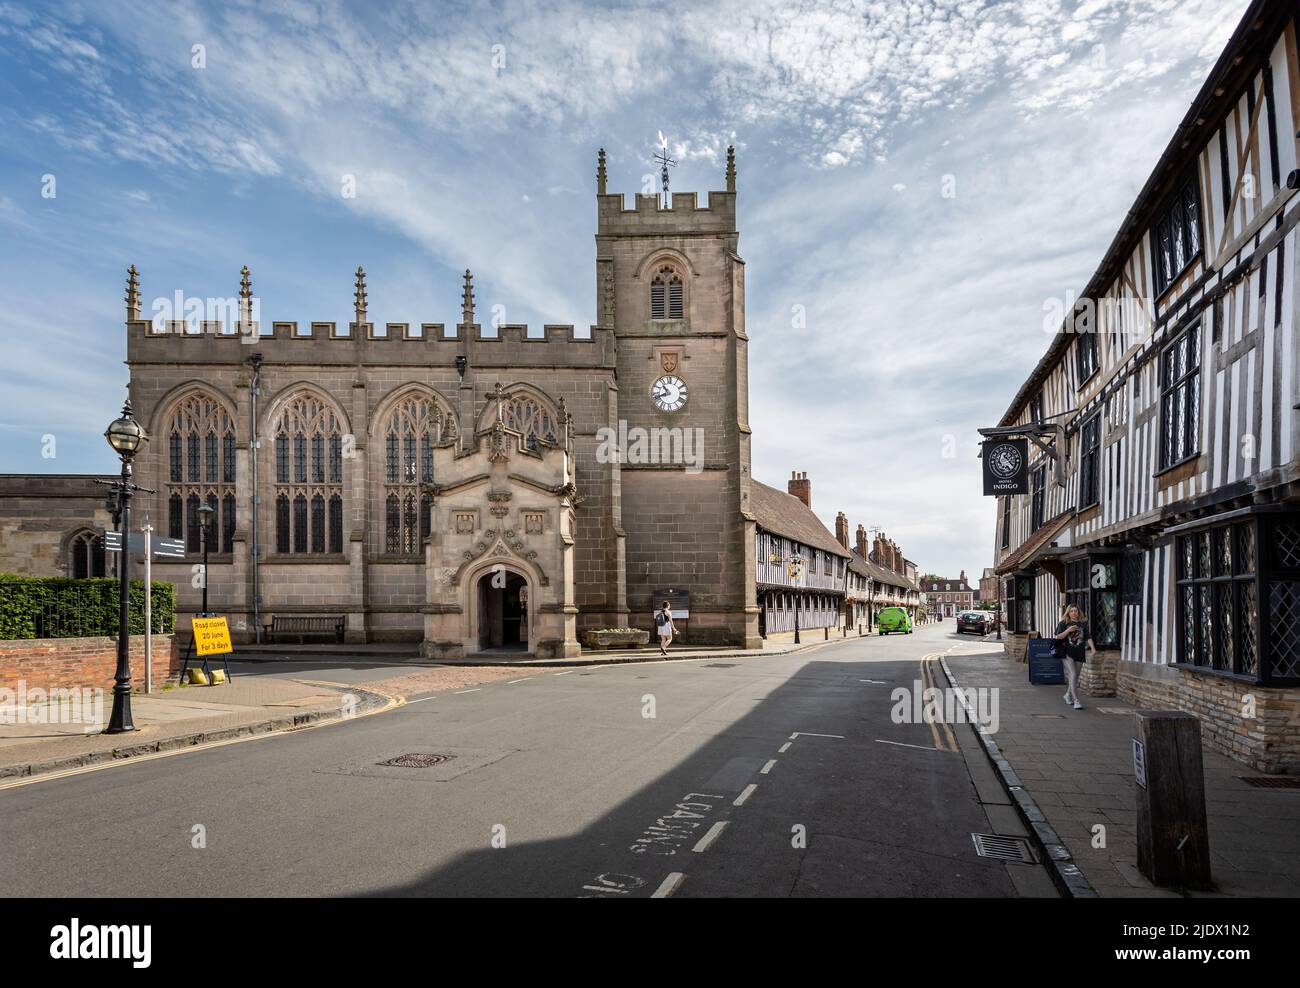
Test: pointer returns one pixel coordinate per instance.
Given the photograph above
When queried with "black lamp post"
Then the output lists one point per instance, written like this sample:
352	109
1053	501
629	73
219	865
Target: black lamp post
206	511
126	436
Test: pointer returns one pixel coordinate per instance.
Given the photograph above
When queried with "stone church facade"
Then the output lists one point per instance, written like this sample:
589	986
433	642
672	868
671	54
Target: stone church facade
468	488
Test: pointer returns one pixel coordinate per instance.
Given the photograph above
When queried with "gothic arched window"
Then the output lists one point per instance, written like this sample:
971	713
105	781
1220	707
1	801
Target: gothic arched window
414	426
667	294
86	555
308	477
531	418
201	467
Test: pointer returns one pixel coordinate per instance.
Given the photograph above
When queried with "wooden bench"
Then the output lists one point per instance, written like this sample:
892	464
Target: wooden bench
303	625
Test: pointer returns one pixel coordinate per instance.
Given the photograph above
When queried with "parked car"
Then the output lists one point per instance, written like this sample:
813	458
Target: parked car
893	619
980	622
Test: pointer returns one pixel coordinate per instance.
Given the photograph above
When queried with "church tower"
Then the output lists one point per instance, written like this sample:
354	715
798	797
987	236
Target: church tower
670	282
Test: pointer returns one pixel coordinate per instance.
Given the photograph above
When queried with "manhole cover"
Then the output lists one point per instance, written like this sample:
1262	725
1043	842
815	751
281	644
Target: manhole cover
418	759
1004	848
1272	781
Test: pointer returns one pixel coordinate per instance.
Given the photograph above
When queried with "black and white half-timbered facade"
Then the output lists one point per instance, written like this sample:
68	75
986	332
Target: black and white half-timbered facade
800	570
1169	505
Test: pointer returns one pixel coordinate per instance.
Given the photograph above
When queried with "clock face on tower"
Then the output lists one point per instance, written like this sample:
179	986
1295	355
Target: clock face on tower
669	393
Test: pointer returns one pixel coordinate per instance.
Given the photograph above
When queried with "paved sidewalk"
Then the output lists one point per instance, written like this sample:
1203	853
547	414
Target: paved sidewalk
1078	768
180	716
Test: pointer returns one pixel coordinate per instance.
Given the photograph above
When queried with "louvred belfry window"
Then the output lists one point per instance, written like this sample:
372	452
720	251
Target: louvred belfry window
309	477
667	295
201	468
414	426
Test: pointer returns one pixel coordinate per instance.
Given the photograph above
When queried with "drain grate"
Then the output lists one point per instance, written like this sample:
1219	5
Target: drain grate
1004	848
418	759
1272	781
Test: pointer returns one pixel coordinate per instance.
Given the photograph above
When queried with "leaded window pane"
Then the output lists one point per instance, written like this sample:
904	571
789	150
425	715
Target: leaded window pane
1223	629
300	523
336	459
1246	548
228	523
282	459
336	524
1205	605
300	458
282	524
228	458
318	459
192	523
210	462
392	525
174	454
1248	614
175	518
192	457
317	523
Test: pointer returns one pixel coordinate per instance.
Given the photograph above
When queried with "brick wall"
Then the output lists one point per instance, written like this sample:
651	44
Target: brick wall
53	663
1268	741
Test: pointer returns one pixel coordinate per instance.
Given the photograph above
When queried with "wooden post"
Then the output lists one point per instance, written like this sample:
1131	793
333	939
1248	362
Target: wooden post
1173	845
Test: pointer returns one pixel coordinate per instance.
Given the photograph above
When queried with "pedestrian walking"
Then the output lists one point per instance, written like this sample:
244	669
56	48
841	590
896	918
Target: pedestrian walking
664	622
1075	645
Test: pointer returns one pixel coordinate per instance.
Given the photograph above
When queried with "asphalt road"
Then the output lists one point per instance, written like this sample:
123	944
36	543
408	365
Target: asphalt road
780	776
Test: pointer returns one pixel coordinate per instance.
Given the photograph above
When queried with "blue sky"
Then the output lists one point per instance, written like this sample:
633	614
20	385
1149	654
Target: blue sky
471	131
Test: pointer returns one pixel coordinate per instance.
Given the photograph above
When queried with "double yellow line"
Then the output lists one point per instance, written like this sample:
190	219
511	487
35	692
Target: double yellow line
928	681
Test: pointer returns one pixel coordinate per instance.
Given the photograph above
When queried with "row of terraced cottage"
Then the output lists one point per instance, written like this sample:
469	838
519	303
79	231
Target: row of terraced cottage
1168	507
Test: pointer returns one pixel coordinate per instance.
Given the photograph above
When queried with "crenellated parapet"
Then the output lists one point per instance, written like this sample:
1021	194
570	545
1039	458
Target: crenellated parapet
226	331
648	216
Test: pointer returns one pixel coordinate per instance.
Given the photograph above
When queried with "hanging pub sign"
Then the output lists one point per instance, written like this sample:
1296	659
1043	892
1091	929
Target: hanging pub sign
1006	466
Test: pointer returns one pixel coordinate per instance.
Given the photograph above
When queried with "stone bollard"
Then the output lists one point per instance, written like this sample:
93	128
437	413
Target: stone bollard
1173	844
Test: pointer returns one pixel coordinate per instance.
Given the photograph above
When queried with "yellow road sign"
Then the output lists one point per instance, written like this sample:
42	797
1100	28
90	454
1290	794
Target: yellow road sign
211	636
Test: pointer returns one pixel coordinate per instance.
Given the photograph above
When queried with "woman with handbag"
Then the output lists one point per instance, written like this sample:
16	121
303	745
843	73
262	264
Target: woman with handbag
1073	645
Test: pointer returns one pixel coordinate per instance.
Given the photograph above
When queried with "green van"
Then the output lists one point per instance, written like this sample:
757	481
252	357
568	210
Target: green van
893	619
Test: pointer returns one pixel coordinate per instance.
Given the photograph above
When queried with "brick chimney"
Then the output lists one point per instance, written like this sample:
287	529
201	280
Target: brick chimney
801	487
963	576
895	557
862	542
842	529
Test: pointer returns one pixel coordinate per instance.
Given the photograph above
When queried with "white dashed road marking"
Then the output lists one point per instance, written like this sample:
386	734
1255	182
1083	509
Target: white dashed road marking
745	794
476	689
707	840
768	767
783	749
669	886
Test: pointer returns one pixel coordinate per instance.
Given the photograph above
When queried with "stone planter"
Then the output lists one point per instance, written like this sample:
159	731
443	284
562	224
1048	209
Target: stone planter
624	638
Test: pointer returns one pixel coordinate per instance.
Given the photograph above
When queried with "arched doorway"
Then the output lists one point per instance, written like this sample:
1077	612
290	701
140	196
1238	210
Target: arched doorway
502	610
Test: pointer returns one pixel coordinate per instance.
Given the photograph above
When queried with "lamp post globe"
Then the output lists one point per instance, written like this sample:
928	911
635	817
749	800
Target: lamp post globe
125	435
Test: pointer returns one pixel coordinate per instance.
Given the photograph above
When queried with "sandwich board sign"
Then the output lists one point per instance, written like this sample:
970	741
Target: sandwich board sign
1044	667
211	637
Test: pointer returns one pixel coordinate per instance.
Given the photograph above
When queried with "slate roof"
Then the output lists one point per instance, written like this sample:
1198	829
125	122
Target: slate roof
784	514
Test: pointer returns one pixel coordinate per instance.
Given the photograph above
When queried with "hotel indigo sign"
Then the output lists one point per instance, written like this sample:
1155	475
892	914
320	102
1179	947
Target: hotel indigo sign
1006	466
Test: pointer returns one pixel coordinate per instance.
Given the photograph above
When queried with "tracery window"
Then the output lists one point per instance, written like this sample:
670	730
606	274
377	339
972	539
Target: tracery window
201	467
414	427
532	419
667	294
308	477
86	555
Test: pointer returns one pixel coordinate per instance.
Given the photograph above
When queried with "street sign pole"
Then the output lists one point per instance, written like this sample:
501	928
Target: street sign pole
148	607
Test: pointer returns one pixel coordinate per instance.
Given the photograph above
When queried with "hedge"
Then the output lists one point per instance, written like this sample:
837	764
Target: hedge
62	607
